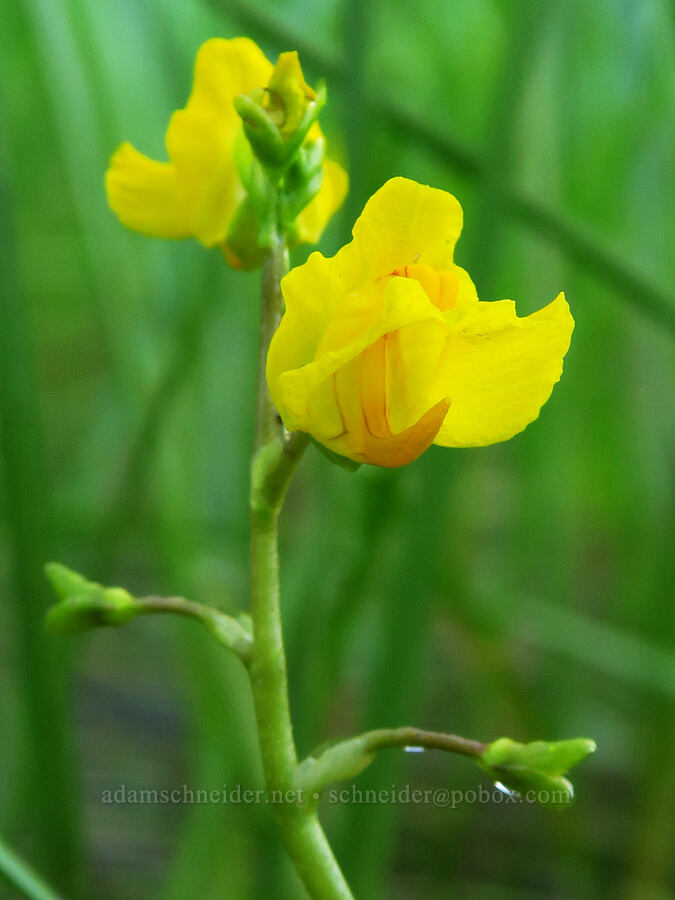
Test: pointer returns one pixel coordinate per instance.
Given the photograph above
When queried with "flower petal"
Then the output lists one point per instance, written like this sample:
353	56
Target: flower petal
415	373
357	393
404	303
201	138
312	294
501	369
402	224
225	68
201	148
405	223
314	291
401	449
146	195
393	450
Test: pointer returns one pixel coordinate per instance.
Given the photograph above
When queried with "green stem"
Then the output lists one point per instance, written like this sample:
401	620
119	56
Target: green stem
417	737
21	876
348	758
268	424
275	456
228	631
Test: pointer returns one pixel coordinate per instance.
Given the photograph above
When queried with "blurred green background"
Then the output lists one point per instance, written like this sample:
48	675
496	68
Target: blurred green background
522	589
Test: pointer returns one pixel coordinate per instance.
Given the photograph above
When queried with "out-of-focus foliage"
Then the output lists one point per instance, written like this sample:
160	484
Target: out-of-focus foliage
521	589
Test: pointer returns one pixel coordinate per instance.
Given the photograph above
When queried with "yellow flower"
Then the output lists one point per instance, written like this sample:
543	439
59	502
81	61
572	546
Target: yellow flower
385	347
197	193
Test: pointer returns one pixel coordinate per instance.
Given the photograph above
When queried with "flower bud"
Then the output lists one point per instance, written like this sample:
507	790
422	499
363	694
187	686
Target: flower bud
277	119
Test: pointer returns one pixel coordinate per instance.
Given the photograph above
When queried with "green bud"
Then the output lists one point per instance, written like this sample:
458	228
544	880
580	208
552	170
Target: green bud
261	131
288	95
277	119
301	182
65	582
537	767
85	604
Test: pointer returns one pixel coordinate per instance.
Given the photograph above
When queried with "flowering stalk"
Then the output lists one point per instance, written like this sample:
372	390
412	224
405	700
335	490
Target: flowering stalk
275	456
383	349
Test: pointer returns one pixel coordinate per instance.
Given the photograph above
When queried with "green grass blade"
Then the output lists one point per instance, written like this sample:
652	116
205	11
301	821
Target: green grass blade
41	663
22	877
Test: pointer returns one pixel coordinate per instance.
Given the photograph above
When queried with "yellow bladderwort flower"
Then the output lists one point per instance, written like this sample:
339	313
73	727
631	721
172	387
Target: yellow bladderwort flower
385	347
198	192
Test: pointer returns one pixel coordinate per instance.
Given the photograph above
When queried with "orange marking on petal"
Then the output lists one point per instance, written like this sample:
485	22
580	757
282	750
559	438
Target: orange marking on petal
373	389
401	449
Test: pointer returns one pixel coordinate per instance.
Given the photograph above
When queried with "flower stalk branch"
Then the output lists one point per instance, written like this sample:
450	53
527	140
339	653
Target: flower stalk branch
348	758
235	634
86	604
418	737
